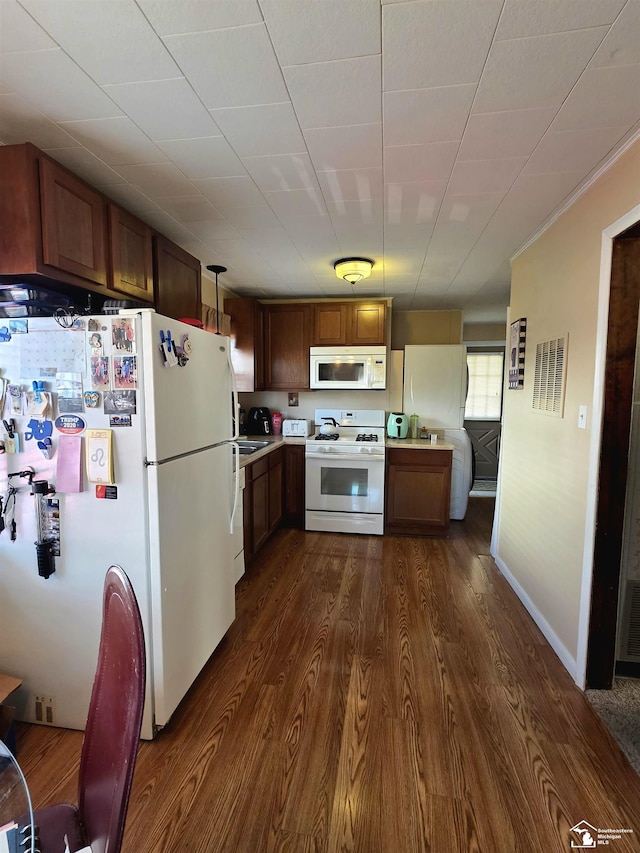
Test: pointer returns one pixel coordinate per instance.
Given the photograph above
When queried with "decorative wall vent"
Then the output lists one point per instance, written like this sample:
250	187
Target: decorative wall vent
549	376
630	627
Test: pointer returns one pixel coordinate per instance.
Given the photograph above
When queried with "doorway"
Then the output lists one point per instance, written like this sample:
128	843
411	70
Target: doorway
624	302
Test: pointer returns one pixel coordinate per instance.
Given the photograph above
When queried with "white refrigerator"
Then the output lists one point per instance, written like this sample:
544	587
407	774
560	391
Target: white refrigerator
166	518
435	388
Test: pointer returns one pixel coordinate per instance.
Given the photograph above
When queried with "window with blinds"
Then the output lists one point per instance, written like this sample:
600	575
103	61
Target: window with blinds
486	381
549	376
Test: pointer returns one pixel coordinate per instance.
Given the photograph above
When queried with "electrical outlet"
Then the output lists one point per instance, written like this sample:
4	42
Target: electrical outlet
44	709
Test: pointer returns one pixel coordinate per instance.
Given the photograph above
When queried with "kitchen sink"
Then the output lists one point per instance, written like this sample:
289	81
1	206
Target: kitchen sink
247	447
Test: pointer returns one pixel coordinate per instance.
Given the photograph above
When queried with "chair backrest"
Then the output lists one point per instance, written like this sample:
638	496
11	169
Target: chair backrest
115	716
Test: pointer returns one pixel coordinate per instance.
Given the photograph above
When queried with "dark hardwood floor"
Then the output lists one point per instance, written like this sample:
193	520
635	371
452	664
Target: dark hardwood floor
375	694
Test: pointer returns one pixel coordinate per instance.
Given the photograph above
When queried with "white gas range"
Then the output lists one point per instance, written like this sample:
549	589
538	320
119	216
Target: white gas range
345	471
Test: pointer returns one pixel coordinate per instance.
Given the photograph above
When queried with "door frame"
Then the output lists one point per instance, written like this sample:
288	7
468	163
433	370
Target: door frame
608	236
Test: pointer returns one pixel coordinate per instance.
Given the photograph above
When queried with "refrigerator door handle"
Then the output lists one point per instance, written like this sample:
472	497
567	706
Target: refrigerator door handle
236	479
235	404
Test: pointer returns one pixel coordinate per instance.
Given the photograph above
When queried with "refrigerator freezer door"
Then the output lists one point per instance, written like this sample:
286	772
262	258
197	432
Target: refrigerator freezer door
191	569
435	384
188	407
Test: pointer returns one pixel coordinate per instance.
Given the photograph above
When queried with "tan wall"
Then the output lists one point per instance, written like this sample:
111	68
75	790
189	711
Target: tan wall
484	332
544	464
425	327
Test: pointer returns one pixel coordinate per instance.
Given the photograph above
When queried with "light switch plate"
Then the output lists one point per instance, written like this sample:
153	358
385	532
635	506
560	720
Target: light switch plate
582	417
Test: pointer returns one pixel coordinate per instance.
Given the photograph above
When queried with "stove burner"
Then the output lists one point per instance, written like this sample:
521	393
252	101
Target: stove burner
364	436
333	436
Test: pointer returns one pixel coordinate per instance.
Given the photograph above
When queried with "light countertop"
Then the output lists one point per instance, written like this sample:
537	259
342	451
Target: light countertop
417	444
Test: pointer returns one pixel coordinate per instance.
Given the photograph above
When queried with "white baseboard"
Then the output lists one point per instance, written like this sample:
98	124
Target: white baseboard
566	658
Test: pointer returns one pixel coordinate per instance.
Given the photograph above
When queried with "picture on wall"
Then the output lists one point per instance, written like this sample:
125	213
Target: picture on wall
517	341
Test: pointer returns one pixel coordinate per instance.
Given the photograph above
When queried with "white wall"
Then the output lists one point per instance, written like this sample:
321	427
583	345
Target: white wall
545	506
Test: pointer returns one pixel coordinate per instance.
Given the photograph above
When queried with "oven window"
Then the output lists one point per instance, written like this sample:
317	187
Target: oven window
341	371
351	482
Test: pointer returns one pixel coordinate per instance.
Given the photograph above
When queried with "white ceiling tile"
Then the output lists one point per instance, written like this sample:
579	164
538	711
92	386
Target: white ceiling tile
513	133
129	197
164	109
191	208
87	165
18	30
110	39
281	172
602	97
353	147
170	17
535	72
485	176
296	202
217	229
330	94
351	184
230	68
429	162
307	31
470	212
404	236
426	115
210	157
413	203
621	45
573	150
53	83
436	44
251	217
521	18
117	141
359	212
158	180
226	193
19	121
261	130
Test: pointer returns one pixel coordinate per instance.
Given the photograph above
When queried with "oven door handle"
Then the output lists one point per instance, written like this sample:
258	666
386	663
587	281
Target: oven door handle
346	457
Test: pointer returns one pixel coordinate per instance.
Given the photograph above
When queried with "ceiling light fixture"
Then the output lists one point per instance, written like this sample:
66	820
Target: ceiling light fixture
216	268
353	270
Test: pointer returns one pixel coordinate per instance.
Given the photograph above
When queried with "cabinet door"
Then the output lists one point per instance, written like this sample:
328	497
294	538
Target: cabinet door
177	280
293	509
247	342
287	336
73	224
275	488
260	510
368	324
330	324
131	255
418	490
247	518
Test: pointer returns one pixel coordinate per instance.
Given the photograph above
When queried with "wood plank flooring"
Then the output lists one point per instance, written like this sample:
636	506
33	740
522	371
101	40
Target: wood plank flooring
375	694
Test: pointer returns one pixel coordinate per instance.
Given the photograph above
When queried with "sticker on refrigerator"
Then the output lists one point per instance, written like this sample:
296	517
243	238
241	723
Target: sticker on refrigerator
99	456
70	424
120	420
120	402
125	371
109	493
92	399
96	343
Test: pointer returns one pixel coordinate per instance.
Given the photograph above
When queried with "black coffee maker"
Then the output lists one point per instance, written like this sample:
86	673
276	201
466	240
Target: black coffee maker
259	421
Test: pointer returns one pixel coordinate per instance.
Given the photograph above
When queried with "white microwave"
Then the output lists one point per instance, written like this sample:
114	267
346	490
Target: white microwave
362	367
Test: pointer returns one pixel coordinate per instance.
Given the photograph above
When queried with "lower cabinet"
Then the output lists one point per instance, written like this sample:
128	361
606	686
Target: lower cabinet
263	499
293	509
418	491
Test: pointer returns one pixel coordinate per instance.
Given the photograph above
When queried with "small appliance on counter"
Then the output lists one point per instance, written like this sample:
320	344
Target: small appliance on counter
259	421
397	425
296	427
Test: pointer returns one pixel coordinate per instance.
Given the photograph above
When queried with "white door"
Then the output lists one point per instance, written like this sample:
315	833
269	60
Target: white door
191	569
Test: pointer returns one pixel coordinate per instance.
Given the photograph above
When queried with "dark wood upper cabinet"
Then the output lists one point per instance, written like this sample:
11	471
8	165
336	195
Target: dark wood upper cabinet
349	324
247	342
177	277
131	245
287	341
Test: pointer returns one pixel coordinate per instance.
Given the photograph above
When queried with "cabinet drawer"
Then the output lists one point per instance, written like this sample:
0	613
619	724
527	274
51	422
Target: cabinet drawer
399	456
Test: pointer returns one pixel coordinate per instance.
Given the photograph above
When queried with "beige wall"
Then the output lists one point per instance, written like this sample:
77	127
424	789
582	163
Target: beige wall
425	327
484	332
544	460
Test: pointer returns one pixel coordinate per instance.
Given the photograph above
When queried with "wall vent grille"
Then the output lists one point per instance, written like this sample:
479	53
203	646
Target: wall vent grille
633	626
549	376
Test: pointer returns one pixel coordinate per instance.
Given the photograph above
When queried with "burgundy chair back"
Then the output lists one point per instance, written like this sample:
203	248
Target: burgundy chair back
115	717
